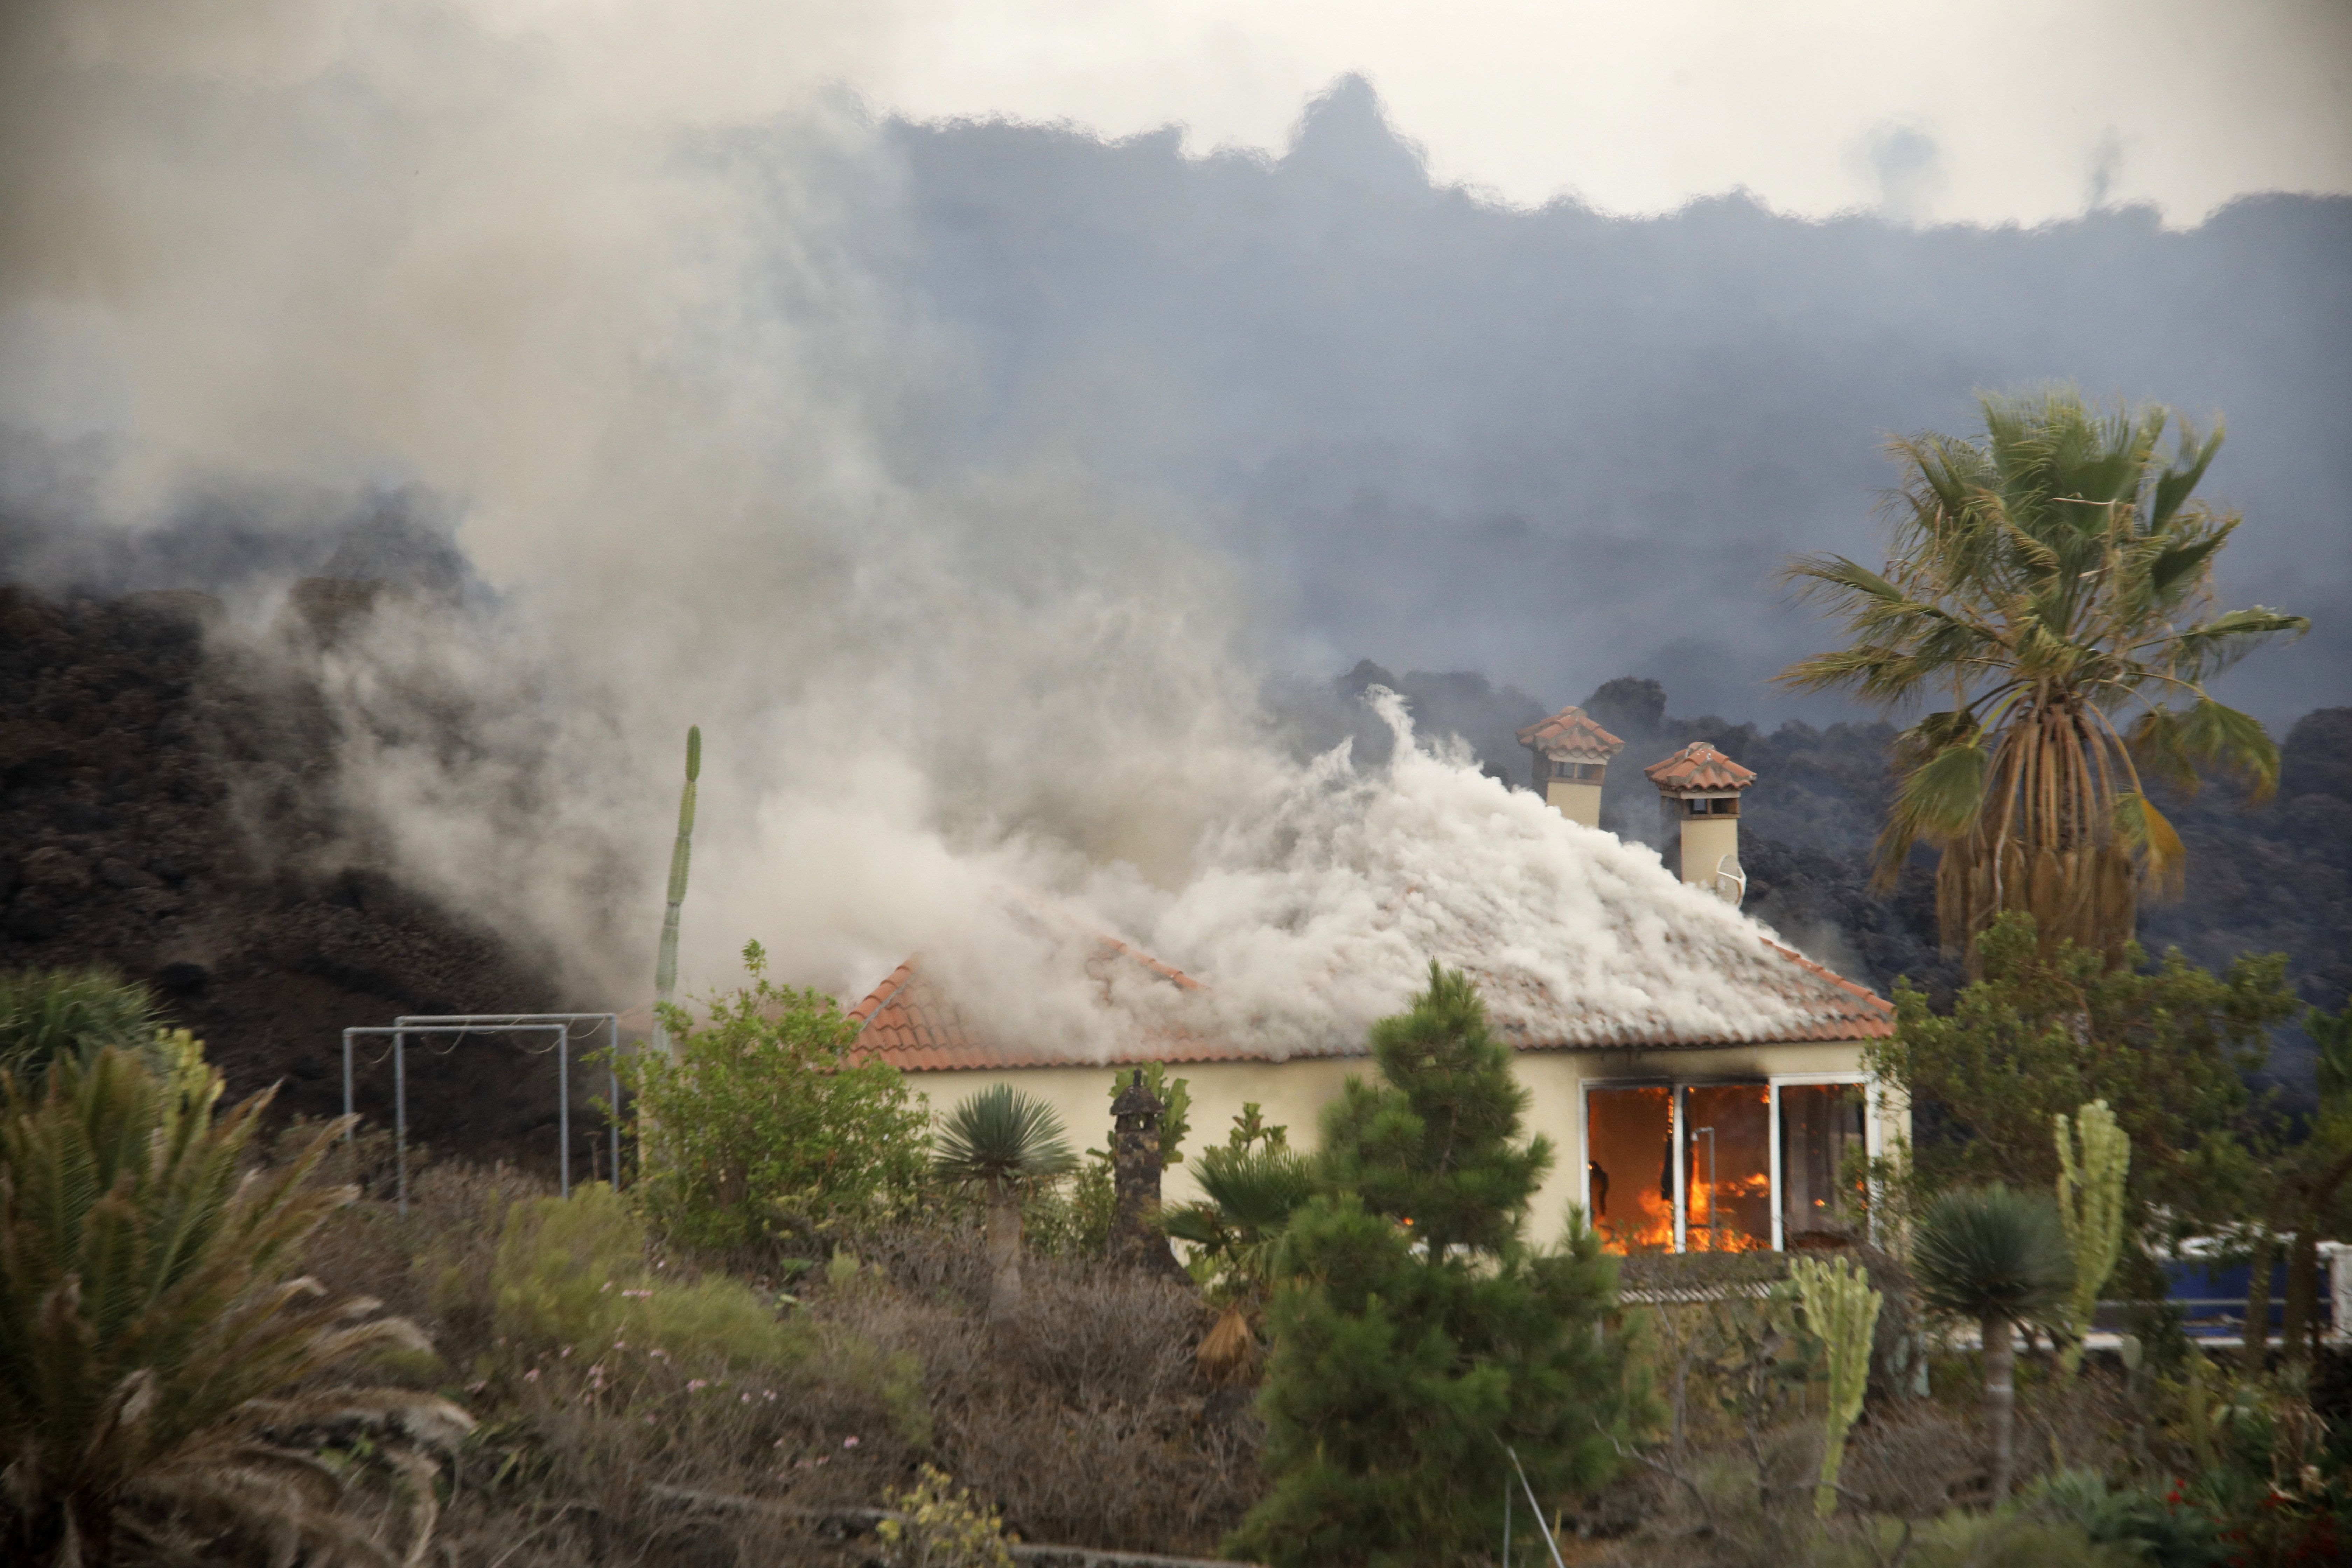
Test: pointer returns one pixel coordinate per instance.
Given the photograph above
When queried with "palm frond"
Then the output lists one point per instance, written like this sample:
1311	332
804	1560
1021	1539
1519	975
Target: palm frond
2162	855
149	1319
2204	650
2214	734
1255	1191
2174	484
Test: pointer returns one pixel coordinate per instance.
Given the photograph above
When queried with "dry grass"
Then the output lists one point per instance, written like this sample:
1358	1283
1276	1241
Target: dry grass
1081	1418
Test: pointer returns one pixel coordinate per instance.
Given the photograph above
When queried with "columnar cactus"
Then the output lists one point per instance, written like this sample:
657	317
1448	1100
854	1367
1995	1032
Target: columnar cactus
2091	1206
665	966
1842	1310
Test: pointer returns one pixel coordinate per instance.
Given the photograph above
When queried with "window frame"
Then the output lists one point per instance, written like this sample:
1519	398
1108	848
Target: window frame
1871	1098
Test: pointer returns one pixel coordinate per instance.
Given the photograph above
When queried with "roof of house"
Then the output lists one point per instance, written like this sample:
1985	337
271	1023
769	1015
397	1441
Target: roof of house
912	1021
1699	766
1569	732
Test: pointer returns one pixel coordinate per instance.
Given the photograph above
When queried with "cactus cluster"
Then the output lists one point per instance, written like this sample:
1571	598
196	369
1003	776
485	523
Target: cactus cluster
1842	1309
2091	1206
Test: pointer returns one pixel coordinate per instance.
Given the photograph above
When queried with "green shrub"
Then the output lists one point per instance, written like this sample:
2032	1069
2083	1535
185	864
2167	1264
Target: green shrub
763	1128
573	1271
47	1013
940	1525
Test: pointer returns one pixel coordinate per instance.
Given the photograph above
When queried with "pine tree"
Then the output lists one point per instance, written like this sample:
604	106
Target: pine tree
1415	1333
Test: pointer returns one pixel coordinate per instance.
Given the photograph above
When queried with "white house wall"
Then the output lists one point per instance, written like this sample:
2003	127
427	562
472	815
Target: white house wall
1294	1093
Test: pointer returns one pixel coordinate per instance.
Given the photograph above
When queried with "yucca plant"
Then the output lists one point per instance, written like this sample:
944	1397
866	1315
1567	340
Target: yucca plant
162	1362
2050	586
1001	1140
1997	1255
48	1013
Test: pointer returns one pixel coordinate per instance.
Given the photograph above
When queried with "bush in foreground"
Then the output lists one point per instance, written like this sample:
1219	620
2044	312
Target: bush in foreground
164	1369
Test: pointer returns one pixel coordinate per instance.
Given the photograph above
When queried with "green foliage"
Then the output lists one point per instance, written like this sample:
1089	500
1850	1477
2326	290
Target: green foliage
940	1525
1251	1194
1251	1130
573	1271
1175	1096
2091	1207
2044	1032
763	1127
158	1348
1414	1333
2153	1529
1993	1252
1071	1218
999	1134
45	1013
2049	579
1842	1310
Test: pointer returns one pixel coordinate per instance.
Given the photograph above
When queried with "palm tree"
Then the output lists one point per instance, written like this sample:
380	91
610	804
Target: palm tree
48	1013
1999	1255
2053	582
1001	1140
1251	1194
159	1356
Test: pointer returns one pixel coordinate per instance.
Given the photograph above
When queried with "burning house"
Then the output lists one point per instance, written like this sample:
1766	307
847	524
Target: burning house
1703	1083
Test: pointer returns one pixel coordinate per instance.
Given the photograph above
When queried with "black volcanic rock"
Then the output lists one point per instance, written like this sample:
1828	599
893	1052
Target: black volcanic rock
168	807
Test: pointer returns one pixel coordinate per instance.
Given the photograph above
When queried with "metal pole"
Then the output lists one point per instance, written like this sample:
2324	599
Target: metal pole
400	1112
1506	1522
614	1064
563	1101
1541	1523
352	1126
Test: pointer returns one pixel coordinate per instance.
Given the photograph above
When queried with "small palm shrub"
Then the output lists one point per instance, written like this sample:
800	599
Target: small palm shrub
49	1013
161	1361
1003	1142
1997	1255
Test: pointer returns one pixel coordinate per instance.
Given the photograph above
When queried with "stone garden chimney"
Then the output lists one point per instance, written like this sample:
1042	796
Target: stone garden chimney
1135	1236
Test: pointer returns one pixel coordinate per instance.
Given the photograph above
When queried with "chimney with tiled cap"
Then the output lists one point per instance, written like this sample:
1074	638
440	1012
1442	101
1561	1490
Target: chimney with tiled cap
1699	787
1573	756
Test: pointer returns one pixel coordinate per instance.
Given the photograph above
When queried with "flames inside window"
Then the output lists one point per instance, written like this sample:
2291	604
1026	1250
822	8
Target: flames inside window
1629	1167
1727	1168
1722	1143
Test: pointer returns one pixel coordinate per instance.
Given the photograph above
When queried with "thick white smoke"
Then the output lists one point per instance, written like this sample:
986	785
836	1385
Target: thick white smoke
579	271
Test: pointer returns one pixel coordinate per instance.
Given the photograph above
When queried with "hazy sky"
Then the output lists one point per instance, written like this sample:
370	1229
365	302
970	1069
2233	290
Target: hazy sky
1988	111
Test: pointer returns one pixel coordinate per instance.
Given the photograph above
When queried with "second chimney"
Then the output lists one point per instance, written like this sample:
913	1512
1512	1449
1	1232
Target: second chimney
1699	787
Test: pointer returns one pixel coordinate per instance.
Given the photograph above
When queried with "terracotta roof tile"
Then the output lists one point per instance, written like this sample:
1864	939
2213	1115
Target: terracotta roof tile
1699	766
1570	733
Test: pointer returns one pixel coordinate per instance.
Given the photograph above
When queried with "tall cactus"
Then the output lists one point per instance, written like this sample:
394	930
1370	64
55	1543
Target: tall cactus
2090	1205
666	967
1842	1309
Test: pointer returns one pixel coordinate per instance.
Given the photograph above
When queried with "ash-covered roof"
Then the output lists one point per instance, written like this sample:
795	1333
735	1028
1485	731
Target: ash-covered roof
910	1021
